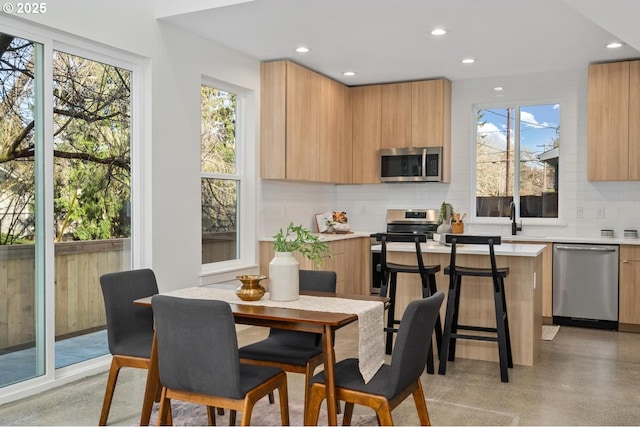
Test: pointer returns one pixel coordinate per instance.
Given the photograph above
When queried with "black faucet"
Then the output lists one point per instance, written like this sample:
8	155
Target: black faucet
512	217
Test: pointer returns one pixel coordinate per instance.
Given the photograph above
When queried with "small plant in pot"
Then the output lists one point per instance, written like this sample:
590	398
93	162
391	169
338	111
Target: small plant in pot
284	282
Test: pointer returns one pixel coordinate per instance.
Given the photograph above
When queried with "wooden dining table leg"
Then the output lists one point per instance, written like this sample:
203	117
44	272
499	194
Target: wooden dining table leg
153	382
329	375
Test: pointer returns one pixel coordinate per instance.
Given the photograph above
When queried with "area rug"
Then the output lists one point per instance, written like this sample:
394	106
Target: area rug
549	332
264	414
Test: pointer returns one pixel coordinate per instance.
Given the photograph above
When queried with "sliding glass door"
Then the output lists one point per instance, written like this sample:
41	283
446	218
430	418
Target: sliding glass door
65	202
21	236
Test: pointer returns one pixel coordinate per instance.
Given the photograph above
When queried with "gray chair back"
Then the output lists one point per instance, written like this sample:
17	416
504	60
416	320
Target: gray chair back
413	340
197	346
129	327
310	280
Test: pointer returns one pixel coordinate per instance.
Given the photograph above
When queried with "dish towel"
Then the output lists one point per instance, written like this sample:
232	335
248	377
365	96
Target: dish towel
370	318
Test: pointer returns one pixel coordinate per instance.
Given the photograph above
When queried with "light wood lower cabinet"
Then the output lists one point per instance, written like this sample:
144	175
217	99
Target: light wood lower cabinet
351	261
629	297
547	282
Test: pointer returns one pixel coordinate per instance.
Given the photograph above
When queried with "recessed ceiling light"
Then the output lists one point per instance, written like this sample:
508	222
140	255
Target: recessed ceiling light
498	88
349	73
614	45
302	49
439	32
468	61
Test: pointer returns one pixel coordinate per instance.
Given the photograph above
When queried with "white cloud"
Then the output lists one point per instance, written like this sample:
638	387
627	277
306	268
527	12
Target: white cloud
493	136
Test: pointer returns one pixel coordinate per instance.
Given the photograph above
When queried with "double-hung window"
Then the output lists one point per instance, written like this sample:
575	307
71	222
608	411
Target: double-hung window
221	178
517	154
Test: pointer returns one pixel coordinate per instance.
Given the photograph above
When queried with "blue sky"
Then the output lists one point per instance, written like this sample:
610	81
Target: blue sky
537	126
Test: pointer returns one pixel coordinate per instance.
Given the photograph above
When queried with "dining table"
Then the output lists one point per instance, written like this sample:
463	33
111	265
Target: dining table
307	320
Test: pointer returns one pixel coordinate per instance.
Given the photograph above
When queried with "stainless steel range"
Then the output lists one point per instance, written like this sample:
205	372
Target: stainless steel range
402	221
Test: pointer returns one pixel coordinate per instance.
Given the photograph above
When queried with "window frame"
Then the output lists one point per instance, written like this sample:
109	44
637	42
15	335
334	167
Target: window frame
517	105
244	141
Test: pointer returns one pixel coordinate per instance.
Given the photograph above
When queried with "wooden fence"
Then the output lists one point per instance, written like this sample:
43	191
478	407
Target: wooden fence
78	299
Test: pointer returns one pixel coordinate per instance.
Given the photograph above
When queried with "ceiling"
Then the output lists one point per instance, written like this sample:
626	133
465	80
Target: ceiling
390	40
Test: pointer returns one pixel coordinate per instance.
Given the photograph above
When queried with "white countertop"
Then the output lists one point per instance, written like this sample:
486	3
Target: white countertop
587	240
505	249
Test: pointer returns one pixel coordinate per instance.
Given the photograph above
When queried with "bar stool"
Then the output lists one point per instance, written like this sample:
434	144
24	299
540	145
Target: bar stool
451	326
389	279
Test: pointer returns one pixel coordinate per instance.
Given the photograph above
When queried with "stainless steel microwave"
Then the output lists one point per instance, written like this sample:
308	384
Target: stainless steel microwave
411	164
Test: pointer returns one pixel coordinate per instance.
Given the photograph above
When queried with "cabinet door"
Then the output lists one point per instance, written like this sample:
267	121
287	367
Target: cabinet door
396	115
304	89
629	285
634	121
273	101
608	122
335	133
430	113
367	104
431	119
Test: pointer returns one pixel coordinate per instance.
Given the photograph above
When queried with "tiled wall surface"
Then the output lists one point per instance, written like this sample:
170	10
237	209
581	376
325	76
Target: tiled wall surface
366	205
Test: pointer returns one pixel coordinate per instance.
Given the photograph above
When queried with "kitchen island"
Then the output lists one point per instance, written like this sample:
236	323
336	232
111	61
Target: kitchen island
523	289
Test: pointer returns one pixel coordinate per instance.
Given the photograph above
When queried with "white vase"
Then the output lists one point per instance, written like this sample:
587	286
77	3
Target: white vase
284	279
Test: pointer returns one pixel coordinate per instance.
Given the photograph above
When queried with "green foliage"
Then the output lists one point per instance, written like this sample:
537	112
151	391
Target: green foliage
300	239
446	212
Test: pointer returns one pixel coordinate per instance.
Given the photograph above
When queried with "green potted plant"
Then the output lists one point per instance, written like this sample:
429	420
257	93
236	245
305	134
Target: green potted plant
444	219
284	283
297	238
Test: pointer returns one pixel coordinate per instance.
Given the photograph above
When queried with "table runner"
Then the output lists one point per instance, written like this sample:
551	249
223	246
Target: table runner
370	318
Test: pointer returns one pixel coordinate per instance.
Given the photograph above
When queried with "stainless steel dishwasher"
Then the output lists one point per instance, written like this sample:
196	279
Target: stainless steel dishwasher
585	285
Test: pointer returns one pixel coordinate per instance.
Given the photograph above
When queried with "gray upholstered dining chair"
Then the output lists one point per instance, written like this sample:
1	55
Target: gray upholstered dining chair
198	361
394	382
293	351
129	328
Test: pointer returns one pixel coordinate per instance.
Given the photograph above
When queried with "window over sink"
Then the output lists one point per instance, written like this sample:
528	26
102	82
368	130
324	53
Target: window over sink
517	160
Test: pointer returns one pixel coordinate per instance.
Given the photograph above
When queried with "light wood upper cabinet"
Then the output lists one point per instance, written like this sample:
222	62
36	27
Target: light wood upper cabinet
305	125
613	142
634	121
335	133
367	109
629	315
431	118
396	115
315	129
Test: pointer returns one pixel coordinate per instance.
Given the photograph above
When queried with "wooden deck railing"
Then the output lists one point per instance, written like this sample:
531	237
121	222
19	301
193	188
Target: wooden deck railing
78	298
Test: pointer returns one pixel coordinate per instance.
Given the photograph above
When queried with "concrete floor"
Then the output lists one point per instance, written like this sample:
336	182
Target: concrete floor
583	377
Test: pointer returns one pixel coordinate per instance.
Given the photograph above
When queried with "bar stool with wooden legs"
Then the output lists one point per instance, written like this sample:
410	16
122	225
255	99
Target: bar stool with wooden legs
451	326
389	280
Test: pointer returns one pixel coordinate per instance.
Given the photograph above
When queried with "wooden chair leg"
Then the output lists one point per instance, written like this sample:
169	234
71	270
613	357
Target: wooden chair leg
271	399
232	417
211	415
284	402
247	410
108	393
348	413
421	405
316	397
165	404
384	414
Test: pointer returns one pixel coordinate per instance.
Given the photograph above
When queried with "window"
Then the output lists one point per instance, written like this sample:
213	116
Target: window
220	178
517	153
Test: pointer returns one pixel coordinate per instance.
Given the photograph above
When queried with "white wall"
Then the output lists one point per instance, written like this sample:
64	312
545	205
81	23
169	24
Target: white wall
175	64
